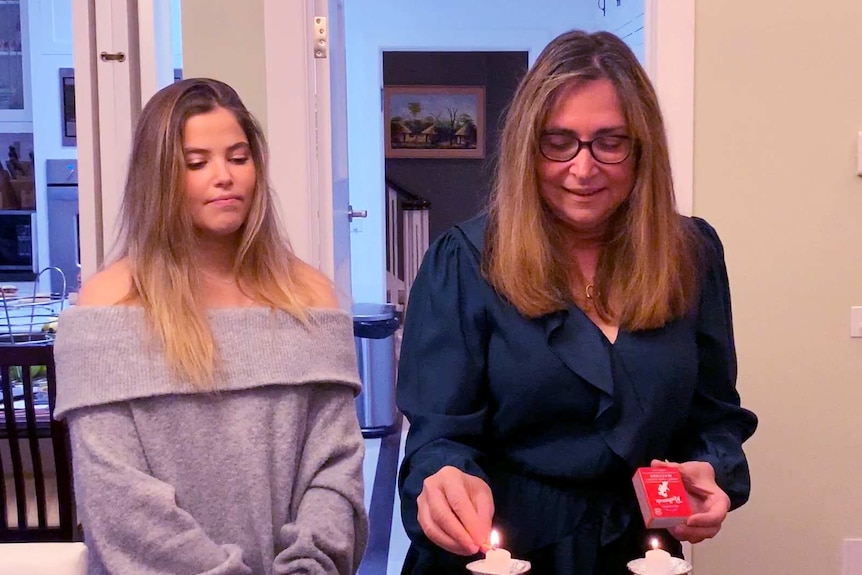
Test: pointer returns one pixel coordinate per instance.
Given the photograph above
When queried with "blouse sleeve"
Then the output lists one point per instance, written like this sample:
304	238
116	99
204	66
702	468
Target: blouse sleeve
131	519
717	425
441	378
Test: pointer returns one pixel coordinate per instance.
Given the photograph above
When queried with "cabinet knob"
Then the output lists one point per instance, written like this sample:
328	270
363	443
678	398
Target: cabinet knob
116	57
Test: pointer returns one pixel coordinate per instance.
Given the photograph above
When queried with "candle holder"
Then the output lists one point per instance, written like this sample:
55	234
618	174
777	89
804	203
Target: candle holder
678	567
481	567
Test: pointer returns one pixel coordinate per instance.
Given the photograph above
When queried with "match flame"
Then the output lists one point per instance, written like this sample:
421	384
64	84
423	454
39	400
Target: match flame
495	539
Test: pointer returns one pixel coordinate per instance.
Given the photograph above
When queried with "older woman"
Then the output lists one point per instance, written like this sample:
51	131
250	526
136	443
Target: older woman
578	330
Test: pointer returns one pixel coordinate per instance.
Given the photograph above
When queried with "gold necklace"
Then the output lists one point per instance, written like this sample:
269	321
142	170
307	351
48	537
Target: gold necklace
589	297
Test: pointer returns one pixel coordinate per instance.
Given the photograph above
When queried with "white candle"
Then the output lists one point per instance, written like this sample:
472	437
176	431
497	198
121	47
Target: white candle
657	561
497	560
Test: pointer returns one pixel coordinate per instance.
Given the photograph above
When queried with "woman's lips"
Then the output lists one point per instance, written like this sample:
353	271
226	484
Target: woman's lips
225	201
584	192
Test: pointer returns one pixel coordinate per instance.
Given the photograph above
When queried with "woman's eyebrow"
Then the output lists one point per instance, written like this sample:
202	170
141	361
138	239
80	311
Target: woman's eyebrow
609	130
238	146
232	148
556	131
559	132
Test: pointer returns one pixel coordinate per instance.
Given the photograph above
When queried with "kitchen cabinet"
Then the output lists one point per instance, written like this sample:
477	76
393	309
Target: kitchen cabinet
14	63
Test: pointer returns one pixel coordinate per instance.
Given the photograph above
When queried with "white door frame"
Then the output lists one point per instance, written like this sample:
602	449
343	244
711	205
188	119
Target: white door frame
89	152
294	169
156	50
669	43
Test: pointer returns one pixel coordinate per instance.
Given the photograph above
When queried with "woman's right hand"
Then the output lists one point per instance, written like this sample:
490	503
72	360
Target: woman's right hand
455	510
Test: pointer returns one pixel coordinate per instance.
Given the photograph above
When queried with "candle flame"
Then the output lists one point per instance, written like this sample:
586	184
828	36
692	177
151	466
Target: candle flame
495	539
654	543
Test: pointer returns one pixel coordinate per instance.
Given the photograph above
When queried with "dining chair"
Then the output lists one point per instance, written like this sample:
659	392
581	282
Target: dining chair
36	495
43	559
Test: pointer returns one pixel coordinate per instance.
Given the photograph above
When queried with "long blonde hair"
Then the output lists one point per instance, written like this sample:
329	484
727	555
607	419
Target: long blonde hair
648	265
157	237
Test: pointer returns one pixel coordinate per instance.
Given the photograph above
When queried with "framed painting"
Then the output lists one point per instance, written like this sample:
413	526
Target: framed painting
439	122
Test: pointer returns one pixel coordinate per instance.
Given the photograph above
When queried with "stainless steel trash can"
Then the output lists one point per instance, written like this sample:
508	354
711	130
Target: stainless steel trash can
374	326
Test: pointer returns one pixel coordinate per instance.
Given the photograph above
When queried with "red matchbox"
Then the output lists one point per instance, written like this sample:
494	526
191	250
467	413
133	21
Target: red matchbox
662	496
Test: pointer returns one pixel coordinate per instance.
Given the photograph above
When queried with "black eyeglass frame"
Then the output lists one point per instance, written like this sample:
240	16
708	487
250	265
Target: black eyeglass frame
589	145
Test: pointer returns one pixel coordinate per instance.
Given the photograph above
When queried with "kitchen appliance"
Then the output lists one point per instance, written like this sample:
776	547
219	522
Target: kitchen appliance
17	245
64	252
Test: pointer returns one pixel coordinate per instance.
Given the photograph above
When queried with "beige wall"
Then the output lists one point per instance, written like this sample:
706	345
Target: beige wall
778	103
223	39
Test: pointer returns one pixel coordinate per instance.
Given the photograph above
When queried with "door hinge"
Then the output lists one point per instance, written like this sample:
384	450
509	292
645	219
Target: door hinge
320	37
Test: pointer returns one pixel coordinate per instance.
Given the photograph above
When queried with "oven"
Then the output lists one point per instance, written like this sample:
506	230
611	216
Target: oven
17	245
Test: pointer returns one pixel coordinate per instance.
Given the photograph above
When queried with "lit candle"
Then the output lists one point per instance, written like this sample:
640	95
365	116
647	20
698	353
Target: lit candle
497	560
657	561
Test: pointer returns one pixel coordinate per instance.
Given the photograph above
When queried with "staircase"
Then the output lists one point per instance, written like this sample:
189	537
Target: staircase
406	241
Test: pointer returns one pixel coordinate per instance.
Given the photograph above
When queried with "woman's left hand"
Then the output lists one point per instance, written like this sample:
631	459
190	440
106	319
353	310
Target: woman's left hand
709	503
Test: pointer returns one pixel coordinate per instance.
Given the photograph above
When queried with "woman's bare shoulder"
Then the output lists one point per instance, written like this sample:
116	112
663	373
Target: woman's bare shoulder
108	287
321	291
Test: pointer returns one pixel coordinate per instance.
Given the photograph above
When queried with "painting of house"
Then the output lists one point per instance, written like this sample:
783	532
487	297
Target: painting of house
434	121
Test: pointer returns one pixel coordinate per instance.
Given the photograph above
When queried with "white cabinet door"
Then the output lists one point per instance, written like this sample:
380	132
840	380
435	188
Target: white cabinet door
56	35
15	112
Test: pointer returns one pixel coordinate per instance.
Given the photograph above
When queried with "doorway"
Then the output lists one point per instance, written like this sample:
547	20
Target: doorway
455	187
386	30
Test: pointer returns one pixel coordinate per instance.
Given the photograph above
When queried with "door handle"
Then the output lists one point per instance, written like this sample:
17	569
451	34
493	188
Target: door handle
351	213
108	57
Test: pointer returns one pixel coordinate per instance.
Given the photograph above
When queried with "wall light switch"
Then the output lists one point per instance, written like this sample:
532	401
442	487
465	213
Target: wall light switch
852	557
856	321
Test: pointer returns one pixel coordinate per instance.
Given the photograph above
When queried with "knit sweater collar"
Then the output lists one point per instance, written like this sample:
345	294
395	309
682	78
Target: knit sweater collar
106	354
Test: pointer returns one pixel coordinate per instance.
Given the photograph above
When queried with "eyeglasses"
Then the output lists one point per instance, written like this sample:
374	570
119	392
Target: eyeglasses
562	147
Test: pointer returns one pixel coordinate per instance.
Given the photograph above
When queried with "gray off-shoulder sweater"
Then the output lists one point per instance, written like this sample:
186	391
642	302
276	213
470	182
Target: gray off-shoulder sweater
261	476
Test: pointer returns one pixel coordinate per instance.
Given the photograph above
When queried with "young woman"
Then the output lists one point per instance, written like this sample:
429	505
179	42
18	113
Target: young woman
206	374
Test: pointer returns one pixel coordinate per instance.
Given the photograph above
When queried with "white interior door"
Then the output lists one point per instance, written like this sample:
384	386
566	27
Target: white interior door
119	48
107	101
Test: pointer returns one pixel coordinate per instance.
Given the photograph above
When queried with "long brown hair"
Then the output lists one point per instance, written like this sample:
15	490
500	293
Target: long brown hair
157	237
647	265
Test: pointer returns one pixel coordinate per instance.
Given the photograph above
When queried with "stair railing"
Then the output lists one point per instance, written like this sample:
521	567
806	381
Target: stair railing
406	240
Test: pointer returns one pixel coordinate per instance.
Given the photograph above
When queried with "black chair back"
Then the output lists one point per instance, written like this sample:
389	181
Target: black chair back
31	444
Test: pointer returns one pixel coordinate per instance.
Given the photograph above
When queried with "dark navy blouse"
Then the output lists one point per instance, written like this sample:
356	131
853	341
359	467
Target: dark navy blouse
551	414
